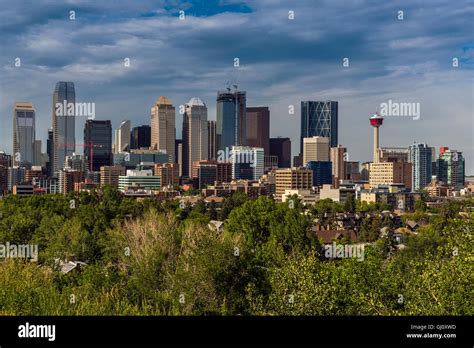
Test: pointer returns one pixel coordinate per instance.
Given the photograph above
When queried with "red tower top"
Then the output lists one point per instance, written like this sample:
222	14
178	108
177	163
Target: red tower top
376	120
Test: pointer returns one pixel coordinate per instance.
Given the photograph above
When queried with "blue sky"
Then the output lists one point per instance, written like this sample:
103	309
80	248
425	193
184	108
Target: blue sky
282	62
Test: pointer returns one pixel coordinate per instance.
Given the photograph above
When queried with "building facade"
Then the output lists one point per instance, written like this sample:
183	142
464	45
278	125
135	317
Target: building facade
163	131
231	118
319	118
258	127
24	134
195	135
64	125
98	144
420	157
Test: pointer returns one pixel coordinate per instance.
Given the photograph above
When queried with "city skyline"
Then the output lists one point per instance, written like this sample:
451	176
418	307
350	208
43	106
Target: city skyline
385	63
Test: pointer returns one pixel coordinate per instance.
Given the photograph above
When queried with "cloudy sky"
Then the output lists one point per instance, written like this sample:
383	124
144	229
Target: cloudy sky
282	62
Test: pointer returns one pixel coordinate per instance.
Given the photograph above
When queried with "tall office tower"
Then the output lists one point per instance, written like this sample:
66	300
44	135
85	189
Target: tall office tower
122	137
195	134
337	157
23	134
451	169
211	140
230	124
49	152
258	127
247	162
420	157
434	164
376	121
315	149
64	125
141	137
98	144
281	147
163	131
292	179
322	172
319	119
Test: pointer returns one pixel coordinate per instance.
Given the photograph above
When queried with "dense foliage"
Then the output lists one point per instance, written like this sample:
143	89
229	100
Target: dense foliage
147	257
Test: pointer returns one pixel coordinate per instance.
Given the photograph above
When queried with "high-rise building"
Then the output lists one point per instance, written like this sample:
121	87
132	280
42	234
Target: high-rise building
64	125
292	179
76	162
230	124
211	140
258	127
24	134
195	135
139	179
315	149
140	137
247	162
98	143
451	168
319	119
168	174
67	180
204	173
109	175
337	157
163	131
420	157
281	147
352	171
322	172
122	137
49	152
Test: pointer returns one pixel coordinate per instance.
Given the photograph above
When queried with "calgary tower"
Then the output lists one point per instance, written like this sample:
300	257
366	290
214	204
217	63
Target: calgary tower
376	121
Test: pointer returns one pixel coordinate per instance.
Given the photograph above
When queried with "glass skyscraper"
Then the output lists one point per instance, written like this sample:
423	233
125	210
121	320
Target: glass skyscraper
23	134
64	126
98	143
420	157
319	119
231	119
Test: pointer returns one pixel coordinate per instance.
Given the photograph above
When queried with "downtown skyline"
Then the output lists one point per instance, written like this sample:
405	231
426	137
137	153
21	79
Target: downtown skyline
306	64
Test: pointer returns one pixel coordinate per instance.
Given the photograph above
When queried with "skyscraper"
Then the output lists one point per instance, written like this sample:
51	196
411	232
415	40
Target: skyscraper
247	162
451	167
23	134
230	124
98	144
281	147
140	137
195	134
64	126
49	151
322	172
315	149
122	137
163	131
258	127
211	142
338	164
420	157
319	119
